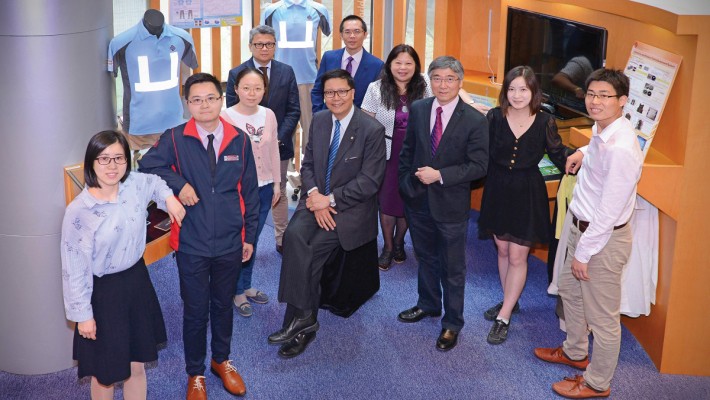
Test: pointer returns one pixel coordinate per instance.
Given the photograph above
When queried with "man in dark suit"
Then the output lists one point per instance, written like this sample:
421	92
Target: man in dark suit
282	100
446	147
363	66
342	170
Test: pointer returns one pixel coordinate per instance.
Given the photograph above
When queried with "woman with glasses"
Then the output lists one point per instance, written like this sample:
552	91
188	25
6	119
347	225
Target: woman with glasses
388	100
260	124
107	290
515	209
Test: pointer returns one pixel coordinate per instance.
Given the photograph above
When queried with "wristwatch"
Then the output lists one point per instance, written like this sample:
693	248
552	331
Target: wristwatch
332	200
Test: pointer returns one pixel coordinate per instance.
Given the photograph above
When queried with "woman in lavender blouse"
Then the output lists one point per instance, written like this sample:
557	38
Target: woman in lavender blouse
107	290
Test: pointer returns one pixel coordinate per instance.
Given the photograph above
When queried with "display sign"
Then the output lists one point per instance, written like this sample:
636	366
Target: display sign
651	73
205	13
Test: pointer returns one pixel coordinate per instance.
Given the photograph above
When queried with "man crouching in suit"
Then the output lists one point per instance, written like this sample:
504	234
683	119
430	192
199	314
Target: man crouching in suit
446	147
343	167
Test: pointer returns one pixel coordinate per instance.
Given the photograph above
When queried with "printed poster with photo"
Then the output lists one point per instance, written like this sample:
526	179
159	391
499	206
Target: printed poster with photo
651	73
189	14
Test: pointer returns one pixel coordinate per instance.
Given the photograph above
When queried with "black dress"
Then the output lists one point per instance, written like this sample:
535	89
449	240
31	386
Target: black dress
515	206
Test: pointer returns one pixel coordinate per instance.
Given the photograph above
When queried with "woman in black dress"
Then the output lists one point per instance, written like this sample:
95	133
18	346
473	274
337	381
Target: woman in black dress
515	208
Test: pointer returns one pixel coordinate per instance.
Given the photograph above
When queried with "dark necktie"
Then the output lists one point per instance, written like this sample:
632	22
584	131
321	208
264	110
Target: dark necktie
437	131
334	144
266	84
349	67
210	153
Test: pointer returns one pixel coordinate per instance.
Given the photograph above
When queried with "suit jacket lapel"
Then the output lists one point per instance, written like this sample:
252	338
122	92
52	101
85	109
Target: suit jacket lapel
363	64
451	126
348	136
323	143
426	124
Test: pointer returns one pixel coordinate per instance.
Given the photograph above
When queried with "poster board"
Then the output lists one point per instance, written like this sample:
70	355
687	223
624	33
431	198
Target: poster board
651	73
189	14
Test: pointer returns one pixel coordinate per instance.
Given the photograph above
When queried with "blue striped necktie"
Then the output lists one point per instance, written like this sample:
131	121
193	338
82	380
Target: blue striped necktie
334	144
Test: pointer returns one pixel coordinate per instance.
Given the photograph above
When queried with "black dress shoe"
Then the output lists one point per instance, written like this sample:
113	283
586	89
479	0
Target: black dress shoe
297	345
416	314
297	325
447	340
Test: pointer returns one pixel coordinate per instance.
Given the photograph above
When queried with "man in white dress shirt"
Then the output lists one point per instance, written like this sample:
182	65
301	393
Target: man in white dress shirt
599	241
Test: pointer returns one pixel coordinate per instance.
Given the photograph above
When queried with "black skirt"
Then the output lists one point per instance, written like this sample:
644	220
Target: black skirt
515	206
129	326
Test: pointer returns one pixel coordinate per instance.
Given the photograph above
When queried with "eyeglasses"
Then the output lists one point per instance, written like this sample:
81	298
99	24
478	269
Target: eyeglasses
341	93
257	89
355	32
603	97
209	100
269	45
106	160
447	79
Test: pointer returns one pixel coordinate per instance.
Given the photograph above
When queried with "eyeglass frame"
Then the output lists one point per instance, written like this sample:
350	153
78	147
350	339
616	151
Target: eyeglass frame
268	45
199	101
341	93
602	97
354	32
114	159
441	79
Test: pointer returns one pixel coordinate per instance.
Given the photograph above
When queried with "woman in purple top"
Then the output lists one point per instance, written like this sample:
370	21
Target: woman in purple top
388	100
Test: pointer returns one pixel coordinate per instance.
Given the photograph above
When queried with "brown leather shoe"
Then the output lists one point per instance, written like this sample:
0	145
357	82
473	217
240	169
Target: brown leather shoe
196	388
576	388
231	380
558	356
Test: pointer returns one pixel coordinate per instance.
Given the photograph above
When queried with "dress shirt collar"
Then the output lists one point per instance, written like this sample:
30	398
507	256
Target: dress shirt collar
258	65
608	132
446	113
357	57
343	123
218	136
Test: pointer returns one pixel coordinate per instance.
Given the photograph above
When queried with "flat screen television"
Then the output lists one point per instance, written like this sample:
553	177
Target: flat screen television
561	52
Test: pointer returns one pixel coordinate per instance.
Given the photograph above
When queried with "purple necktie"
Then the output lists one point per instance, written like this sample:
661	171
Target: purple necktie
349	67
437	131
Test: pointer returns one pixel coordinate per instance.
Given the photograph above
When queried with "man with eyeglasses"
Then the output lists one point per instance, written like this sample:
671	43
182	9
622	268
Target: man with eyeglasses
282	100
362	66
209	164
342	170
446	147
599	242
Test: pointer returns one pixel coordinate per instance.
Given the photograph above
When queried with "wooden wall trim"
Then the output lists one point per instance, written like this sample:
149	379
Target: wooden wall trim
420	10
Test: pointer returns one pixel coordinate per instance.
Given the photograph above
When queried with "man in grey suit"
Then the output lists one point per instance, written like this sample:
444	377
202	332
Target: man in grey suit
342	170
446	147
282	99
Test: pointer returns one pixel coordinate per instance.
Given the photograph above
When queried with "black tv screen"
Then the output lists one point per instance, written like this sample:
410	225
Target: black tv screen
561	52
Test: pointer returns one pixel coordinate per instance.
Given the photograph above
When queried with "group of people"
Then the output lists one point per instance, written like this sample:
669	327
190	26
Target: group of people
386	142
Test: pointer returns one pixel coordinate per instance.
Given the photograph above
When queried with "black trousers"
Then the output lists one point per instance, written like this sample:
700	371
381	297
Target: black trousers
207	285
306	247
441	252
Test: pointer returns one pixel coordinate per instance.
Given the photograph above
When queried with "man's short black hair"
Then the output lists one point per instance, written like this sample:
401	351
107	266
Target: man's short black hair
97	144
335	74
615	77
201	77
353	18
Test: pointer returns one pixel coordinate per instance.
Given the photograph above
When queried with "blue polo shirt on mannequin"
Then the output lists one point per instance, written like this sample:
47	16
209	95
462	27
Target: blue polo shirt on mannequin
296	23
150	68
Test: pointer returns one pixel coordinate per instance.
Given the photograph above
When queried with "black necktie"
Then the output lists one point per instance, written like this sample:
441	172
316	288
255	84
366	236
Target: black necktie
210	153
266	84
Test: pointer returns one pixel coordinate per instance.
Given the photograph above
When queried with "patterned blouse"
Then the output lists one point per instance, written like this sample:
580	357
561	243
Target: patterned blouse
104	237
372	103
